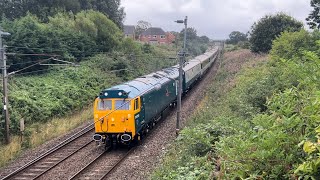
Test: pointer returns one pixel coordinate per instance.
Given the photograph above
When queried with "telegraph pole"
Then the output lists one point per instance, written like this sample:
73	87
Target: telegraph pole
182	58
3	58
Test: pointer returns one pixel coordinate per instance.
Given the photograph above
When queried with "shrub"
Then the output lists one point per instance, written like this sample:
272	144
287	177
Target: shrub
73	37
292	44
268	28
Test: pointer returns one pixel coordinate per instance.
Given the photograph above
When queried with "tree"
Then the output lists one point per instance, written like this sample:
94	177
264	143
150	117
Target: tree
314	17
191	33
268	28
140	27
235	37
204	39
13	9
73	37
293	45
111	8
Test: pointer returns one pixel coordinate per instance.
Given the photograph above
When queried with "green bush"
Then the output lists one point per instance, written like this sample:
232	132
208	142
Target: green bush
59	92
292	44
72	37
268	28
269	149
263	119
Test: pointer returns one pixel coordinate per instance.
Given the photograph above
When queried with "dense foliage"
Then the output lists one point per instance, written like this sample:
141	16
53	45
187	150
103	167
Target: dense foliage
71	37
314	18
140	27
262	123
195	45
268	28
237	40
64	90
13	9
235	37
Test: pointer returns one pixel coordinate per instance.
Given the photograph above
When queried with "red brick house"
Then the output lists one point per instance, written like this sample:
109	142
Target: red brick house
170	37
155	35
129	31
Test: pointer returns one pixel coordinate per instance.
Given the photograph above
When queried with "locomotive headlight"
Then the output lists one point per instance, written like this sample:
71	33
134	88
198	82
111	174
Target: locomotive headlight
105	94
120	93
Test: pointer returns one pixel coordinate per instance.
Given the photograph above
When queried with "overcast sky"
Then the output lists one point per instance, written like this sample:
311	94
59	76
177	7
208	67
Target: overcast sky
213	18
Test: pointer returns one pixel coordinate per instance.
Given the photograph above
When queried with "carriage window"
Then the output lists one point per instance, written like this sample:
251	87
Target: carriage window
122	105
104	104
136	104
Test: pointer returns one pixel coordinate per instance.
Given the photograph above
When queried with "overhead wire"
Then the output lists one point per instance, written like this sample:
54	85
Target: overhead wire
21	54
92	52
159	57
31	72
131	57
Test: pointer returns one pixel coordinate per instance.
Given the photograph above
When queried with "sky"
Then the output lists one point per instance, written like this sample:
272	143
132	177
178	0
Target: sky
213	18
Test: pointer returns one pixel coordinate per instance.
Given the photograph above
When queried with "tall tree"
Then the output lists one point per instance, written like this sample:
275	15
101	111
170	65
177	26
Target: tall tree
204	39
235	37
314	17
141	26
191	33
13	9
268	28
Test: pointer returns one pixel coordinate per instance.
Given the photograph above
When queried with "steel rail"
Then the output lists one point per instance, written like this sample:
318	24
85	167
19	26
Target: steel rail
59	162
50	151
95	160
87	166
118	163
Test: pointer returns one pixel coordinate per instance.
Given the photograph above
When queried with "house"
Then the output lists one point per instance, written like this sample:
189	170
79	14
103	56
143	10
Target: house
155	35
129	31
170	37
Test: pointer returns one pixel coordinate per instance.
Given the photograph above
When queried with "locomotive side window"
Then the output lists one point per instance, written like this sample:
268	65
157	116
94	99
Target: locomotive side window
104	104
136	104
122	105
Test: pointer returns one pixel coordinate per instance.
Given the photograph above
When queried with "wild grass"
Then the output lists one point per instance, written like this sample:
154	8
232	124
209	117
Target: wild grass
37	134
10	151
57	127
192	156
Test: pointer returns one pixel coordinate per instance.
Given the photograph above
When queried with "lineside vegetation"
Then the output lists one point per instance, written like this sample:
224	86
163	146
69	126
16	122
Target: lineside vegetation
258	122
45	95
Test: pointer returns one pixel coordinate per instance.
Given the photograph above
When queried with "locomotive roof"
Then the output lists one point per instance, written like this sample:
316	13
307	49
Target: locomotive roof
142	84
151	81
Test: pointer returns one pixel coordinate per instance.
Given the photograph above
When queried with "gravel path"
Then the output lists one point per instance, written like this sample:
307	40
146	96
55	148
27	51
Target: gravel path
142	161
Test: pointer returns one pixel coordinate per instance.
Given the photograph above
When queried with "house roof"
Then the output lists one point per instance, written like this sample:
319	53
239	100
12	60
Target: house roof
153	31
128	29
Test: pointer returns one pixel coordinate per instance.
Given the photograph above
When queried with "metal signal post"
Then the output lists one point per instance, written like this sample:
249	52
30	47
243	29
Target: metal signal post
182	56
3	58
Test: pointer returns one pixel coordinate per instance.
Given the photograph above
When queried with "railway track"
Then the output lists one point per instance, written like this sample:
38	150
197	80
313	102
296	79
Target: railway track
53	157
103	165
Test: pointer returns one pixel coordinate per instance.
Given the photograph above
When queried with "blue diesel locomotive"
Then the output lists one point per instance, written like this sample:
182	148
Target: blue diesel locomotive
123	113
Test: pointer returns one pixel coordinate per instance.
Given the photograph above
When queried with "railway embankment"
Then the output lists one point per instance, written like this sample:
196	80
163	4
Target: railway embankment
259	119
193	154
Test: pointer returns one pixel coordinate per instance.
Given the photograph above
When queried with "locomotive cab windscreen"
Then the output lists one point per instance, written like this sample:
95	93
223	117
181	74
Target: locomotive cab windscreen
114	115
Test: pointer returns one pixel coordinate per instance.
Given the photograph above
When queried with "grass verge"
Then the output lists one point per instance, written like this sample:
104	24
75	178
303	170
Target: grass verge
41	133
193	155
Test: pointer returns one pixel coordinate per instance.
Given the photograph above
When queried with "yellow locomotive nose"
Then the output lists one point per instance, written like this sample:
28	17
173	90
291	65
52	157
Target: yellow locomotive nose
114	116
